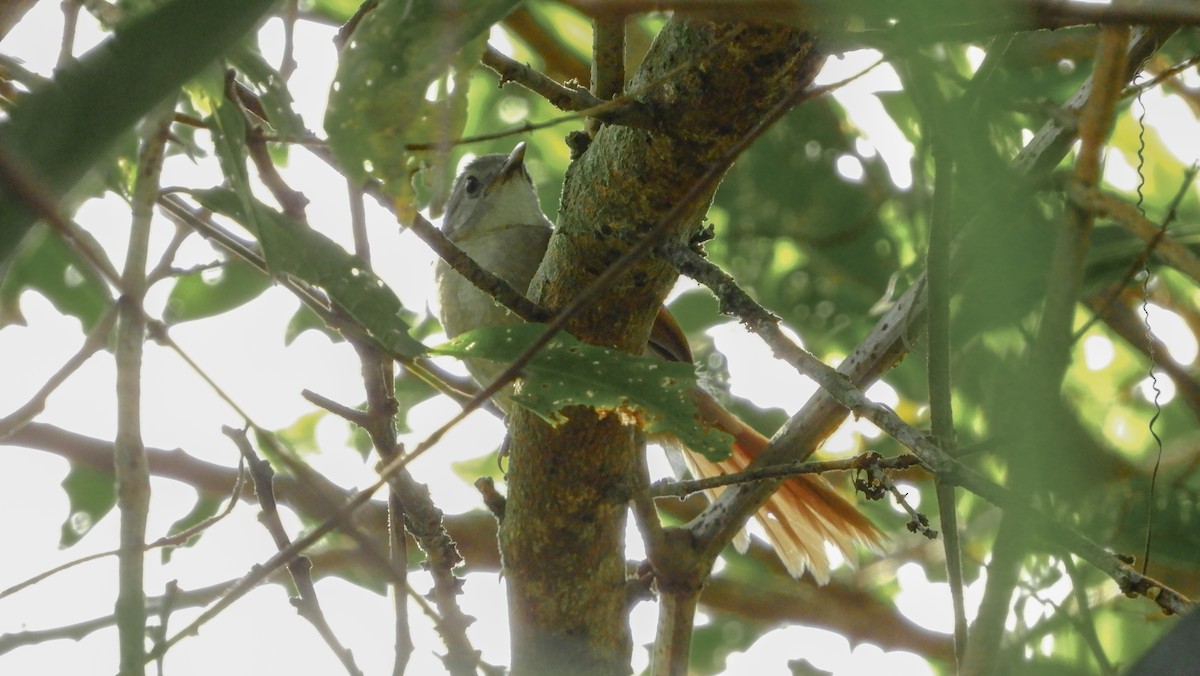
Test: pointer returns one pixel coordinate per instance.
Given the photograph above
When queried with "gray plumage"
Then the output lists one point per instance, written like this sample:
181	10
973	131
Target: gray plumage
493	215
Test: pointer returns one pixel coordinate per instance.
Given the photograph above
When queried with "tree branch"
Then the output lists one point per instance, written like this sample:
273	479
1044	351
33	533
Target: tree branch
943	135
667	488
475	534
96	340
608	62
1100	203
299	567
629	191
129	458
715	527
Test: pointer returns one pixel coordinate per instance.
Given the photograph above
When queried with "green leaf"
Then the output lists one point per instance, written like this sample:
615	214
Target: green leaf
567	373
304	320
409	391
207	293
723	635
60	131
272	89
228	127
292	248
478	467
92	494
378	102
820	263
301	435
49	266
339	10
205	508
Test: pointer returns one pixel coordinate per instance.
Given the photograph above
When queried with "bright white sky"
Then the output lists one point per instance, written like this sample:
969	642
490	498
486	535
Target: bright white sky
243	351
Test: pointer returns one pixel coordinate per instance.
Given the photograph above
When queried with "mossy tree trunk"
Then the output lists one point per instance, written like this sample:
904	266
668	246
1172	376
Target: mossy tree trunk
562	538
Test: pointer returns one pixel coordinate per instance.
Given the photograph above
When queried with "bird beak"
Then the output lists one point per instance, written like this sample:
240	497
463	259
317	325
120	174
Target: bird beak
513	166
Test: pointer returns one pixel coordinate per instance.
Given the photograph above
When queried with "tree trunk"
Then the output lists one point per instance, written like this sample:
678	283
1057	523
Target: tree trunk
562	538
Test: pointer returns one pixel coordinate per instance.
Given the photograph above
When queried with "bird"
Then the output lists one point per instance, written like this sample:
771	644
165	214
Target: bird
494	216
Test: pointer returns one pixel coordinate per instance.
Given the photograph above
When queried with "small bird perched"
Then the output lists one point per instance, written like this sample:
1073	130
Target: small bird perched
493	215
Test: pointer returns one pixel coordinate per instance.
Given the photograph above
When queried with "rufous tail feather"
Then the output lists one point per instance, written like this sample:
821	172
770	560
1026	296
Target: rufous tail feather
802	516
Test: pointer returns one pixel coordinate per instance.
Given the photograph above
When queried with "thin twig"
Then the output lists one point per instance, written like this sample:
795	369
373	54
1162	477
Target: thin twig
608	62
251	109
1122	320
292	201
165	267
175	540
490	283
159	633
300	567
1086	623
680	489
1050	353
348	28
411	507
1168	73
154	604
287	63
842	390
347	413
439	379
66	51
627	106
564	97
96	340
1173	253
644	512
917	522
933	109
548	43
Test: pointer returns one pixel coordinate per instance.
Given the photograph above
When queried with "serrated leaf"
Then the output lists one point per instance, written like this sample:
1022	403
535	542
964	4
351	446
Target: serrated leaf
568	373
301	435
47	265
378	101
60	131
206	293
91	494
292	248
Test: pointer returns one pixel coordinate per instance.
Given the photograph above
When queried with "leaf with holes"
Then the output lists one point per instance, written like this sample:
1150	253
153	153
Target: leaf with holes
654	394
381	98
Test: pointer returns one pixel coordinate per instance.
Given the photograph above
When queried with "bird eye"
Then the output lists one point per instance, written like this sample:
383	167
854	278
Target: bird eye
472	185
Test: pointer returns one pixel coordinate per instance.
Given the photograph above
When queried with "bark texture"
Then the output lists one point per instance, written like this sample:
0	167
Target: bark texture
562	538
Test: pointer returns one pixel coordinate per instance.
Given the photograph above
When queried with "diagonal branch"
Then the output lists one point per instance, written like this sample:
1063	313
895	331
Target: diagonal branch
300	567
680	489
96	340
565	97
716	527
1101	203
